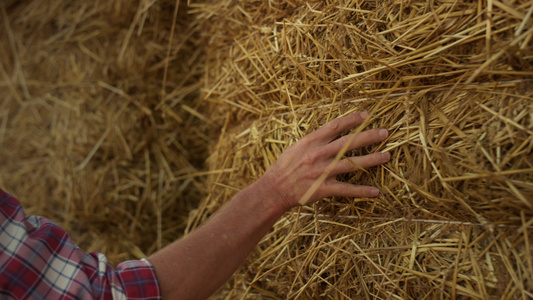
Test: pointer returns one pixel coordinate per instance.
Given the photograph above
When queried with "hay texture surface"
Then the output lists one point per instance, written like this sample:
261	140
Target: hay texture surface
103	130
96	124
451	80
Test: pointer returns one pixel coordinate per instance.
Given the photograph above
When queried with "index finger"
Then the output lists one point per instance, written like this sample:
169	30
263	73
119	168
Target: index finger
334	128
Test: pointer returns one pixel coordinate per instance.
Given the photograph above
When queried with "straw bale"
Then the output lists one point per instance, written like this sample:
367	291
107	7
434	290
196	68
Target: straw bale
94	133
103	128
451	80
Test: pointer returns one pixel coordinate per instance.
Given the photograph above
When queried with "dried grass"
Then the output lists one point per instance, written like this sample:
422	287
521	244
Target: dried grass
107	108
451	80
93	130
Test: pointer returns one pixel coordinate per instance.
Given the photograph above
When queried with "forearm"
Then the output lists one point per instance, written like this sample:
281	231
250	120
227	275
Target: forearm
196	266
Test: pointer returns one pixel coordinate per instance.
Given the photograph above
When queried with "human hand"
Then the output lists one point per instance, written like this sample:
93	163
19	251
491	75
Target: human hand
306	172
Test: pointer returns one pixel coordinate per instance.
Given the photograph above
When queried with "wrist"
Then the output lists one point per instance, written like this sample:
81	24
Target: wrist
265	190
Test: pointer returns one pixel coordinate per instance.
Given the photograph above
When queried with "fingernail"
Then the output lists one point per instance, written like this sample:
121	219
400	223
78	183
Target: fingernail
374	192
363	115
383	133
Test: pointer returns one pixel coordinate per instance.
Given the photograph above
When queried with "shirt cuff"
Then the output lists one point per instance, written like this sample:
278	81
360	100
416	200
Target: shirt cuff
138	280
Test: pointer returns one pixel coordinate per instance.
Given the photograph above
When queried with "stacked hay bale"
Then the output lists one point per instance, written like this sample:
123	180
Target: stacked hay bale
451	80
101	129
97	130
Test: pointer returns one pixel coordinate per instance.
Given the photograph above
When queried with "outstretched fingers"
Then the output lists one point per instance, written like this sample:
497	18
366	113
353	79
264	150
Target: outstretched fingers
357	140
312	163
352	164
343	189
334	128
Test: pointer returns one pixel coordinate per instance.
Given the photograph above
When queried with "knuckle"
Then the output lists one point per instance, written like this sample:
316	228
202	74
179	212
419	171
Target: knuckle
350	165
343	190
333	125
308	159
343	166
310	139
349	139
312	157
328	185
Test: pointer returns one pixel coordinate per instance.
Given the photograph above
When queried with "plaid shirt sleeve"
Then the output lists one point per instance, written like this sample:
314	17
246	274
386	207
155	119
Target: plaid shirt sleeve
38	260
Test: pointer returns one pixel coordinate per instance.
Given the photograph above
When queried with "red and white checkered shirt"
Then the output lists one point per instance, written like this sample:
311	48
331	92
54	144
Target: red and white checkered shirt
38	260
